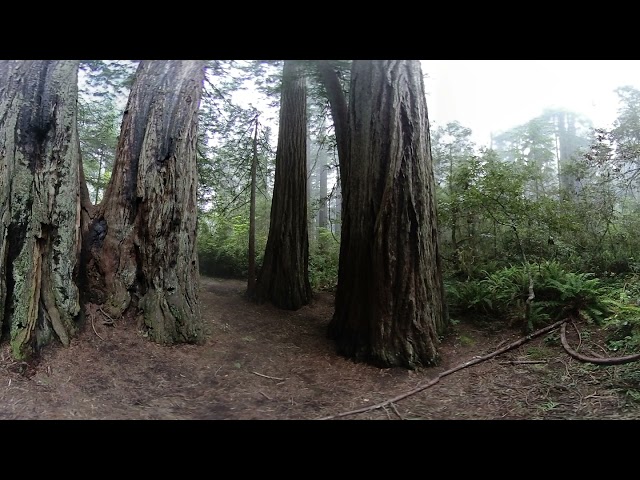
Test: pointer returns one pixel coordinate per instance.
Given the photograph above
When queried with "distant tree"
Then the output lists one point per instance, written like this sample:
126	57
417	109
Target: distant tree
107	79
616	151
39	202
228	153
532	145
322	193
284	278
626	127
251	282
573	133
451	147
98	124
390	306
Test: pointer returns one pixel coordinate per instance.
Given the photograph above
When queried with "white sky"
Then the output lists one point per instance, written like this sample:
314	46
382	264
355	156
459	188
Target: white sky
496	95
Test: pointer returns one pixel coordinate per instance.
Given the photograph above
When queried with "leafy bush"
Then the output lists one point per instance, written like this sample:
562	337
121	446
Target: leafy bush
223	247
623	324
324	255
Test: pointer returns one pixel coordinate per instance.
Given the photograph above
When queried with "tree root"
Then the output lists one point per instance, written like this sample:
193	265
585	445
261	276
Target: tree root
517	343
431	383
594	360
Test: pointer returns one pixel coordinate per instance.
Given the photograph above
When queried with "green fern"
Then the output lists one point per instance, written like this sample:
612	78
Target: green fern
623	322
503	294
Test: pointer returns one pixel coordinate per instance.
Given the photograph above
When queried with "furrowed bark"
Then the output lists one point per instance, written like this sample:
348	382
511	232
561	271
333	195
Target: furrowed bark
140	246
39	202
284	277
390	305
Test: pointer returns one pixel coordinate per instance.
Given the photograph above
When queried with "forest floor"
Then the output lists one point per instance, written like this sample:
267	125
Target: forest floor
259	362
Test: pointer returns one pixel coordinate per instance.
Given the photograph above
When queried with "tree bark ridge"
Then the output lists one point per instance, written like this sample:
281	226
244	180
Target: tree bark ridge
39	202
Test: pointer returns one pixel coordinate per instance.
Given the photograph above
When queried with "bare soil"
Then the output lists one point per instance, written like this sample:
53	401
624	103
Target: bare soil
262	363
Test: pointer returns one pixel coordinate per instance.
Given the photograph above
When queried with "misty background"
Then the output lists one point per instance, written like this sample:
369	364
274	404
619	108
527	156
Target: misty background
492	96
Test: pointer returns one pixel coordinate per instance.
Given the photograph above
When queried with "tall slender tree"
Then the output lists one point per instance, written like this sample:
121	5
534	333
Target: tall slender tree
390	306
284	277
39	202
251	282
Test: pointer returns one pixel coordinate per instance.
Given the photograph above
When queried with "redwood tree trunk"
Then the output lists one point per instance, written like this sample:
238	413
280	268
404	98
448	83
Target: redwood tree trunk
390	305
140	245
39	202
284	277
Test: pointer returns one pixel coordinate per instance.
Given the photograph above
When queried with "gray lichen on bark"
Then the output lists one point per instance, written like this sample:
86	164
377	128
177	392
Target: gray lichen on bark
39	202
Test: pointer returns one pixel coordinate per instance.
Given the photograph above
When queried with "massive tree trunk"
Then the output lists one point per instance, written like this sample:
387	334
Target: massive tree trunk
390	306
140	245
284	277
39	202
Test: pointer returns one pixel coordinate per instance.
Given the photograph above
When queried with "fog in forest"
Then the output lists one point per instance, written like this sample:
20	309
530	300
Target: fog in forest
492	96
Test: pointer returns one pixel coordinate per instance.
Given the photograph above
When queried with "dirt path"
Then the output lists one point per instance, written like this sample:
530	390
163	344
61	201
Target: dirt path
259	362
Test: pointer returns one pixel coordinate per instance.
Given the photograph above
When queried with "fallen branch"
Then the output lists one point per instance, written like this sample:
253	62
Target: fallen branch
594	360
396	411
431	383
266	396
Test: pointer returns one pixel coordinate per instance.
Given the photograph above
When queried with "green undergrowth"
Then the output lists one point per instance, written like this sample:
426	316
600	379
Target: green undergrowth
223	252
611	303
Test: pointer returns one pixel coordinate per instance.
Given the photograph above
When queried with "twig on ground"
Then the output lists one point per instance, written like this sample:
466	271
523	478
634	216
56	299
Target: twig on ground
431	383
522	362
266	396
267	376
396	411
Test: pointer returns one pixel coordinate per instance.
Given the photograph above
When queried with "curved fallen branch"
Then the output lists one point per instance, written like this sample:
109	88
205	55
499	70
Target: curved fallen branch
475	361
595	360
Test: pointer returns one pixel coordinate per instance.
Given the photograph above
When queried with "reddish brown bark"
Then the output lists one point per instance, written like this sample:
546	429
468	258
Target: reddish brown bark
284	276
140	248
390	305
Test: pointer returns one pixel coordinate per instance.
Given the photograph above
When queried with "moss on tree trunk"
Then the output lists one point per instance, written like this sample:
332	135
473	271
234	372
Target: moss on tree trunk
39	202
